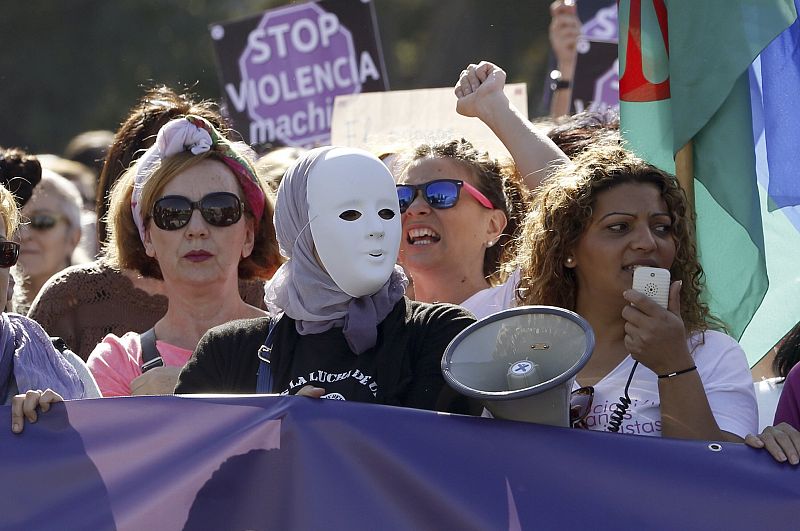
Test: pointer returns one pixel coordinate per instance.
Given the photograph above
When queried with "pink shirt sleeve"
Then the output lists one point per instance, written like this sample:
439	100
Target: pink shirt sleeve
116	362
788	409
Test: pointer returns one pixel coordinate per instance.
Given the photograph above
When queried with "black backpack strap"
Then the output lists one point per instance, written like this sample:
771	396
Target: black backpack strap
59	344
151	357
264	376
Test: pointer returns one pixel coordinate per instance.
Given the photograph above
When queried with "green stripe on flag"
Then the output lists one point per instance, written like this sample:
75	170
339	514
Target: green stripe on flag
729	232
779	311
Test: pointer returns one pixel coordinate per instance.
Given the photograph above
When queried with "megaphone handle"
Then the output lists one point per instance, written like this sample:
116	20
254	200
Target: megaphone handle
615	421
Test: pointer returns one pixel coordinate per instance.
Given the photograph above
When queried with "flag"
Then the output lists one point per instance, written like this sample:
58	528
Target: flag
778	82
774	89
270	462
684	78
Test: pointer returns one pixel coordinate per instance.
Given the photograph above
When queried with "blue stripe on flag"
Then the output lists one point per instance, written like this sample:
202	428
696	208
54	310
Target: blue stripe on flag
780	86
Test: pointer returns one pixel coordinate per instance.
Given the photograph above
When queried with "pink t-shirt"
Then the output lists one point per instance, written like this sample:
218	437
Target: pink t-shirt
116	362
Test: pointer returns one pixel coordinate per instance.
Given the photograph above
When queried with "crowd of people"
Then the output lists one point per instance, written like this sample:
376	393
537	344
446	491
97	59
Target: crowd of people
328	273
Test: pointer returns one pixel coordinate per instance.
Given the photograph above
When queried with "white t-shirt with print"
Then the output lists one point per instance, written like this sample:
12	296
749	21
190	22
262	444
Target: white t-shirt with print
722	366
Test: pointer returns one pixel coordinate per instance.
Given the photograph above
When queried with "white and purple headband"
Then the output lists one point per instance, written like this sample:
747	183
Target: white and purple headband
195	134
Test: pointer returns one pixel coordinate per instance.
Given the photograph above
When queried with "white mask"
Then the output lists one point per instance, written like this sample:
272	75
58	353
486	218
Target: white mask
355	219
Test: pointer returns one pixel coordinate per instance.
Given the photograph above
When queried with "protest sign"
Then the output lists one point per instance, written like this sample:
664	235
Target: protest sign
596	83
402	118
281	70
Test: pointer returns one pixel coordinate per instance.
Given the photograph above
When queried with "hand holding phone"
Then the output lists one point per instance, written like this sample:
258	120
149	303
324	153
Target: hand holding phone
653	282
655	339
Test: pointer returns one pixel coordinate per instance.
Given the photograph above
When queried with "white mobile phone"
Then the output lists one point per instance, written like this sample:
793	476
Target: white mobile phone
653	282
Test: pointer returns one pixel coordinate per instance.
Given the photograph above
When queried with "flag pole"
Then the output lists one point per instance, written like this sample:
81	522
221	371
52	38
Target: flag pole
684	171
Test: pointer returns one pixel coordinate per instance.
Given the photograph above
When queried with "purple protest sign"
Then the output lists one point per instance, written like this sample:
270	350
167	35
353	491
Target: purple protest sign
282	70
603	26
596	82
606	89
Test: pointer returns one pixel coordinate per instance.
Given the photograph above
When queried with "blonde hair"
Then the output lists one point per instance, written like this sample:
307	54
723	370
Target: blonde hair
9	211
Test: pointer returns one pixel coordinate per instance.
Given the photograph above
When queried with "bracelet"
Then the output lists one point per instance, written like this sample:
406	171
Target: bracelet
560	85
557	82
677	373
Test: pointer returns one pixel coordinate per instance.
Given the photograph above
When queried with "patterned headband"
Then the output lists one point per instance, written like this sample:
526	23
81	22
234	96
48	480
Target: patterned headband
195	134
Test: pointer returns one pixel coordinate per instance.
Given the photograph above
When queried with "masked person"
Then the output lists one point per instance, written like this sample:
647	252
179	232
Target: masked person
340	325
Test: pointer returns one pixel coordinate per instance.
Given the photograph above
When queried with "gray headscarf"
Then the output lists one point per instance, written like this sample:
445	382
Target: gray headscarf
303	290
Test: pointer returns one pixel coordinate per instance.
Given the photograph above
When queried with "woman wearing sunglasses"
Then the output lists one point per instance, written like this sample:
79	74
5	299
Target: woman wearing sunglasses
462	209
49	235
192	212
28	360
591	225
84	303
340	326
20	172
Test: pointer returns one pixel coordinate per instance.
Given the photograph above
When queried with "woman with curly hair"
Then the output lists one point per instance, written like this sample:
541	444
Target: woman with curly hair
591	224
462	209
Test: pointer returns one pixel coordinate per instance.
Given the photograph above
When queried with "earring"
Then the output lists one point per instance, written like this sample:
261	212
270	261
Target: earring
490	243
570	261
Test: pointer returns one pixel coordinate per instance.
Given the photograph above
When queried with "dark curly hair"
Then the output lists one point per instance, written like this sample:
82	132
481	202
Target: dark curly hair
158	106
561	211
788	353
575	134
498	181
20	172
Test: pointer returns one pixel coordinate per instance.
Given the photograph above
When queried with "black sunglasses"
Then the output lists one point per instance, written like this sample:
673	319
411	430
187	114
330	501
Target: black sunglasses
220	209
439	193
43	221
9	253
580	404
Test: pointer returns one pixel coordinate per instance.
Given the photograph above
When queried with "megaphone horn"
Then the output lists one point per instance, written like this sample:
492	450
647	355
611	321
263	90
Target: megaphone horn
521	363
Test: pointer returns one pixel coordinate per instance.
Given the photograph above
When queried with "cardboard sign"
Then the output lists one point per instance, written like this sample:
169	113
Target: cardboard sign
404	118
281	70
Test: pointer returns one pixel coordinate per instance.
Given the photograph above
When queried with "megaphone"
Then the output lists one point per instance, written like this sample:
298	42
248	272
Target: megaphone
521	363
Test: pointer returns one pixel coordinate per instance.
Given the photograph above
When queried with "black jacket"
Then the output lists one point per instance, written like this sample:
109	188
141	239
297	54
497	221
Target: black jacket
405	363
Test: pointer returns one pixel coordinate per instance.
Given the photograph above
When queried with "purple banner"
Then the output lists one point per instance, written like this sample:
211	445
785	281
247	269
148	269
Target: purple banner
281	70
296	463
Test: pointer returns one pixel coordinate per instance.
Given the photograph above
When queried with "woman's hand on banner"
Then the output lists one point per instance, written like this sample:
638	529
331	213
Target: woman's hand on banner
781	441
24	407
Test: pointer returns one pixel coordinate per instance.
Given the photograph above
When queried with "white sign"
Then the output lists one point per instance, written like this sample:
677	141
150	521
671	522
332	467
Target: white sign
386	121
